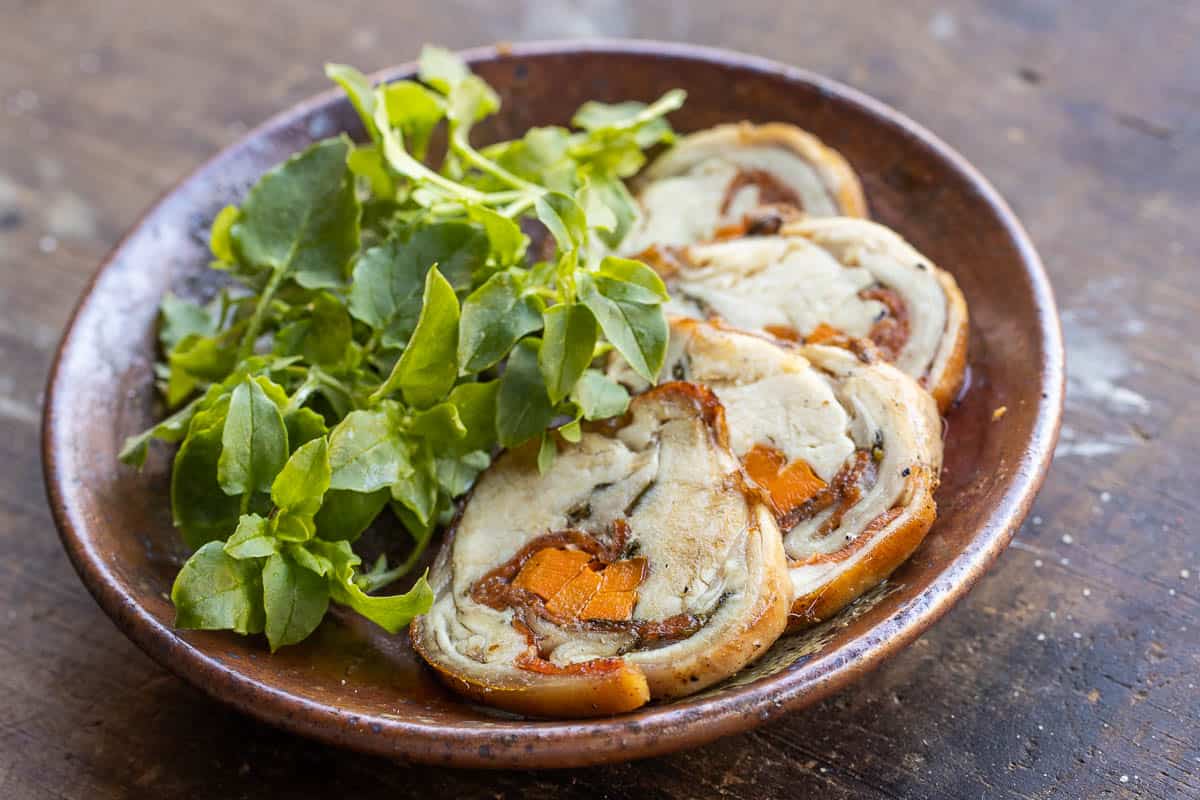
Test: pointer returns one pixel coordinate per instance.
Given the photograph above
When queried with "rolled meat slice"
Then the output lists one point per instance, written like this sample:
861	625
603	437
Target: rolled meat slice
829	281
640	566
845	448
709	181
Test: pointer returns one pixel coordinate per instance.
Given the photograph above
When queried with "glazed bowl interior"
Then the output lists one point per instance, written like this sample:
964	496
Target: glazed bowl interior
353	685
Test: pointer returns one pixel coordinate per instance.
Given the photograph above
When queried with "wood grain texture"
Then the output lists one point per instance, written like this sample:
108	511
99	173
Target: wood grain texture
1070	671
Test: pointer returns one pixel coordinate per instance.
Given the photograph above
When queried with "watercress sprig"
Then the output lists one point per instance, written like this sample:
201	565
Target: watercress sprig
384	330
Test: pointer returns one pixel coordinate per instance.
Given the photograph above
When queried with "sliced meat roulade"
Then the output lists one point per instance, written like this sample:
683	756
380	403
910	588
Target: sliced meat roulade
848	453
710	180
826	280
640	566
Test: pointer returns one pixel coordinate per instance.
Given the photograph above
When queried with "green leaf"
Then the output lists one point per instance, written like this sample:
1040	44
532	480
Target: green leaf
523	409
631	116
494	317
303	425
359	91
208	358
547	452
599	397
418	491
291	527
571	431
171	429
421	533
609	206
180	318
386	291
476	404
390	613
456	475
415	111
365	161
439	425
440	68
639	332
389	279
643	284
327	335
215	591
251	539
316	564
616	135
470	101
346	514
294	599
459	249
366	453
540	156
254	441
218	238
567	344
303	480
302	218
507	243
201	509
427	368
563	217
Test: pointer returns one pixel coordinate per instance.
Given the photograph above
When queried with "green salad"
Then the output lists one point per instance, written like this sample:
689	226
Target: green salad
383	330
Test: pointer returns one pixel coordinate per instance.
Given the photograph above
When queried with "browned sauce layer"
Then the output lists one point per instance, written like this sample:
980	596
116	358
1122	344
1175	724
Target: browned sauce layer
873	527
770	189
890	333
497	590
840	494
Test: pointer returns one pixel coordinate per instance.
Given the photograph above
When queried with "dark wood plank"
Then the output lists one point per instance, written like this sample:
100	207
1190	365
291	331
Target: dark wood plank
1070	671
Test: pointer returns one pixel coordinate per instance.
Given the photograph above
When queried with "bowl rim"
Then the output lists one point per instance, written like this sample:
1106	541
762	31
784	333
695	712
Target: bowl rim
654	730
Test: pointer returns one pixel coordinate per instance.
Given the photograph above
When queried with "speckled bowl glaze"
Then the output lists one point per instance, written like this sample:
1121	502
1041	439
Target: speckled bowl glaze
352	685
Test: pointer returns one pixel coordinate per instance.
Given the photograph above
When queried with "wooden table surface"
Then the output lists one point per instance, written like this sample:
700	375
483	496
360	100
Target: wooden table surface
1070	671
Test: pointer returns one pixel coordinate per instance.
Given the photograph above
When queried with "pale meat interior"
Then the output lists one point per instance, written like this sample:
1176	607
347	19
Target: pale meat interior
815	273
821	406
691	206
711	552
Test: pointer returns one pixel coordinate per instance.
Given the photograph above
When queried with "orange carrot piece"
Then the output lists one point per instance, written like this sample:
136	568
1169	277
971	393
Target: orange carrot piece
623	576
789	485
549	570
784	332
823	333
575	595
610	605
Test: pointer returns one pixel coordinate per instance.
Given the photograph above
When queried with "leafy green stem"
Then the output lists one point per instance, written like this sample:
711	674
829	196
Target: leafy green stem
520	206
460	145
246	348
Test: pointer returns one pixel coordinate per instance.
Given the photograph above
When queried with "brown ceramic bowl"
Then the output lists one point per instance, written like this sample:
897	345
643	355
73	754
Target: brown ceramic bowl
352	685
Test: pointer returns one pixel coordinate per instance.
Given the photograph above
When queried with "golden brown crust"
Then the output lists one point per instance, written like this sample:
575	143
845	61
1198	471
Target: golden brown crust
903	536
836	173
833	166
613	685
613	691
691	674
950	379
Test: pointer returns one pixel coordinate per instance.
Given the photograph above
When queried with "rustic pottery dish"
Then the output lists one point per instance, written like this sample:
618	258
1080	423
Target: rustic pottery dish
351	684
